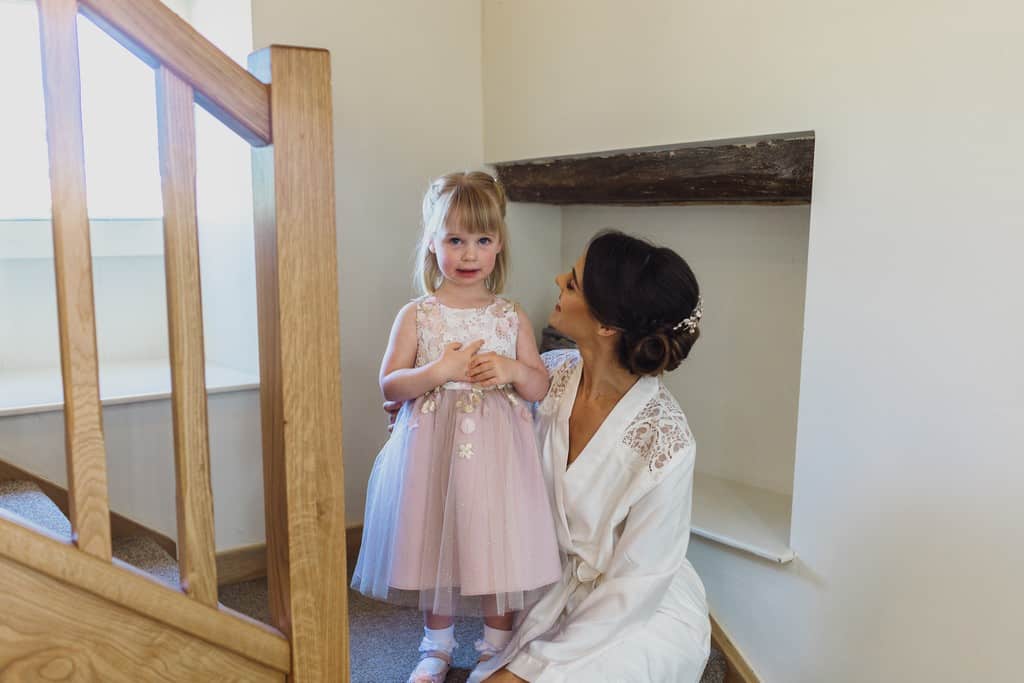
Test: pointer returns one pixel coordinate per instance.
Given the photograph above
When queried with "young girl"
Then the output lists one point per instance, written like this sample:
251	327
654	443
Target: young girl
457	516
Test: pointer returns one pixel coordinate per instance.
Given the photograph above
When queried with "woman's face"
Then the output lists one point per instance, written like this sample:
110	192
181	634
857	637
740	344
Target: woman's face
571	316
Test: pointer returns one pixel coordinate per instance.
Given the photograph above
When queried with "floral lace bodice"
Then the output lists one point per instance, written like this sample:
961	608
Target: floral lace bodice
438	325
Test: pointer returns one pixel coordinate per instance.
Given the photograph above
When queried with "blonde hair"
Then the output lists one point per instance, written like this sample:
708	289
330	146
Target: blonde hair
474	202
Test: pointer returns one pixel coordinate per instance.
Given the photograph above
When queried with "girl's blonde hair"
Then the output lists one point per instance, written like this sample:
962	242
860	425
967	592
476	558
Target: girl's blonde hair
474	202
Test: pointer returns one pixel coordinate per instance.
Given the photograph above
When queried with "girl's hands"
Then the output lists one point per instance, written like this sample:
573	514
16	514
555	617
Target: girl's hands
492	369
453	365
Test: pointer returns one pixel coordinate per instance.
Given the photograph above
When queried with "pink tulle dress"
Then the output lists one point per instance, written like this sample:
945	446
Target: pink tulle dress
458	519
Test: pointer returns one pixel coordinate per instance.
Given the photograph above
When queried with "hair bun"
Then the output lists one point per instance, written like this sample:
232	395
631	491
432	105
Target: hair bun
649	294
658	352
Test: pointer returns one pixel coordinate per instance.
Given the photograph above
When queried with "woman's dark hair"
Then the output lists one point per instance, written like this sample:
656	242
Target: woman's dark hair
645	292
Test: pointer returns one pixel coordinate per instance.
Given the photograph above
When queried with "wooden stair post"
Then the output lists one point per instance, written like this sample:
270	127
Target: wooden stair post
300	365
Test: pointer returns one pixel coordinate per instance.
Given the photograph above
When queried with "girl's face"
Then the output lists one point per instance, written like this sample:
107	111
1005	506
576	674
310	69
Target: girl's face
572	316
464	258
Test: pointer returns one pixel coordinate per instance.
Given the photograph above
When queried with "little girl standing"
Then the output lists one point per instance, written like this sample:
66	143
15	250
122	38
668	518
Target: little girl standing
457	515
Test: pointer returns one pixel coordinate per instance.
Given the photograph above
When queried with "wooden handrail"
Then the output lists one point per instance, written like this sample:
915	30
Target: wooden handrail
86	455
123	585
157	35
177	134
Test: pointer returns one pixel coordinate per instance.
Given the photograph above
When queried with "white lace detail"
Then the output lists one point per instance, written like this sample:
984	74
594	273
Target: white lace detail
560	364
659	431
438	325
553	360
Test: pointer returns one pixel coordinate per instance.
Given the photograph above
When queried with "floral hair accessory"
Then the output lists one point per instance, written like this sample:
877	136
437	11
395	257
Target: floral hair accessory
690	324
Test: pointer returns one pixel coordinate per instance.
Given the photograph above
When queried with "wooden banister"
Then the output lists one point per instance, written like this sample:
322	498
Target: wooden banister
132	589
86	455
157	35
300	366
177	135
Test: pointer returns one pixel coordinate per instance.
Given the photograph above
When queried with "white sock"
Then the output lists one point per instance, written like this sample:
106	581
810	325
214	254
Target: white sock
496	637
442	639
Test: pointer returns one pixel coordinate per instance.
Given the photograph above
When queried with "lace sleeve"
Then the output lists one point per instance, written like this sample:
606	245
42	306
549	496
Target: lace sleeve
659	432
554	360
560	364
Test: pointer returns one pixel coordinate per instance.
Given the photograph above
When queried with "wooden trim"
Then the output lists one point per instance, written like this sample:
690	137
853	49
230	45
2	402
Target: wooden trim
242	564
739	669
52	630
177	135
88	507
157	35
297	284
132	589
772	171
120	526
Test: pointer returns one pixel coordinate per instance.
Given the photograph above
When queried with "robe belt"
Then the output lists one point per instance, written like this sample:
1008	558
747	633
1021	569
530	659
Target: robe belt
583	578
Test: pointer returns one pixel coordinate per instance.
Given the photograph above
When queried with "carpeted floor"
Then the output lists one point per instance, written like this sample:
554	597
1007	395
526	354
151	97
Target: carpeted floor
384	638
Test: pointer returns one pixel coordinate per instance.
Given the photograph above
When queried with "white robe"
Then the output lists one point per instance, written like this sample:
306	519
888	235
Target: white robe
629	607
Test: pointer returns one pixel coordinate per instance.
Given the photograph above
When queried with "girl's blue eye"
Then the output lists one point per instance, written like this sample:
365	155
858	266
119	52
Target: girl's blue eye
485	240
454	240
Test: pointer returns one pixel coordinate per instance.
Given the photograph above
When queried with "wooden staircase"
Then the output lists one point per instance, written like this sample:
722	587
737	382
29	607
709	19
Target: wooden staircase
69	608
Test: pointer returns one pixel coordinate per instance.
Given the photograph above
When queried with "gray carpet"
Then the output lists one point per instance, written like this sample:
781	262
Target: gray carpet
383	638
147	555
24	499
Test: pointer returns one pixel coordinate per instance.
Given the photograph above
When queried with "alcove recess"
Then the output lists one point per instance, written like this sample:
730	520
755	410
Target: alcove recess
738	210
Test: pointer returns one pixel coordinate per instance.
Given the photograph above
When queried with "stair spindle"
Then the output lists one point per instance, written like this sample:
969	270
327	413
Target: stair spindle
83	423
176	121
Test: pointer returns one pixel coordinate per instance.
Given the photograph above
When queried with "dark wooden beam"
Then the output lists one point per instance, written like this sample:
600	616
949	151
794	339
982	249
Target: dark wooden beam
776	171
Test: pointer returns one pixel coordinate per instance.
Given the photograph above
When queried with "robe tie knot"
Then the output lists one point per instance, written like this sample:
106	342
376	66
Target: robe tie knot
583	572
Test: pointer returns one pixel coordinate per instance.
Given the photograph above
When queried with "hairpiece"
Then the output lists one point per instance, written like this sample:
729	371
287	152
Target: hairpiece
691	323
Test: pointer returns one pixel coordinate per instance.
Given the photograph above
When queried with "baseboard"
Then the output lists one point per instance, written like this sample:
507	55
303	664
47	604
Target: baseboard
353	539
250	562
739	669
242	564
120	526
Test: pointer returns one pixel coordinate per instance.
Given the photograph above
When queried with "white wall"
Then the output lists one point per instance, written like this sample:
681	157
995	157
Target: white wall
140	462
407	107
536	232
907	500
740	385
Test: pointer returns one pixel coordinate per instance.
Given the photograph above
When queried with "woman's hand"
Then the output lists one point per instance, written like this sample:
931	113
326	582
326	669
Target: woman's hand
505	676
392	408
493	369
453	365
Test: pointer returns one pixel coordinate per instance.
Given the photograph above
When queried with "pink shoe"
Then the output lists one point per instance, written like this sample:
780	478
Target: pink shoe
441	655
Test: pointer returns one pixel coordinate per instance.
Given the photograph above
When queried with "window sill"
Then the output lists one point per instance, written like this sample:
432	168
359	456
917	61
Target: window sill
33	238
743	517
40	391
